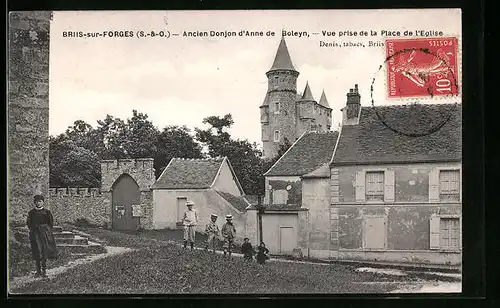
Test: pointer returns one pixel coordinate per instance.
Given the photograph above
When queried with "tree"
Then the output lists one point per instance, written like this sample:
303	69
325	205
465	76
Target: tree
72	165
175	141
75	155
244	156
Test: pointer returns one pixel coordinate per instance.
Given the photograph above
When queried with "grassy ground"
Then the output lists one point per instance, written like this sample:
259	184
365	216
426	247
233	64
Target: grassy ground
144	238
170	269
21	262
158	267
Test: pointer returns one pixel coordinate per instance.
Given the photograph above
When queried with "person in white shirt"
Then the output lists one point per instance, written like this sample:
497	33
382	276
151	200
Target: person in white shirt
189	221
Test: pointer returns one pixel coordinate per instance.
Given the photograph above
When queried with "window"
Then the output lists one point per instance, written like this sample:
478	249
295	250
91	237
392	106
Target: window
449	185
450	233
276	136
277	107
445	232
374	185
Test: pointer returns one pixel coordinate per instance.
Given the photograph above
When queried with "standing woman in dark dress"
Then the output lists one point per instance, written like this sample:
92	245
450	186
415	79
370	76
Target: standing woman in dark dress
40	223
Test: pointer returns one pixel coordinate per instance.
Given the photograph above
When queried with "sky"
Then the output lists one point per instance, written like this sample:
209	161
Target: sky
181	80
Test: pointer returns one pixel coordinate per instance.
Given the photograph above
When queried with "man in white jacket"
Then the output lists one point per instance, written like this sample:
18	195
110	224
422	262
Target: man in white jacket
189	221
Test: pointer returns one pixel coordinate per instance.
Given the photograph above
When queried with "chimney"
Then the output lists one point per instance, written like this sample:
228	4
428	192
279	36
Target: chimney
353	102
351	111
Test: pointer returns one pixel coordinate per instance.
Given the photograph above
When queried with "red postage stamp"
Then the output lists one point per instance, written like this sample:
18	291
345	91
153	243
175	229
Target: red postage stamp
423	67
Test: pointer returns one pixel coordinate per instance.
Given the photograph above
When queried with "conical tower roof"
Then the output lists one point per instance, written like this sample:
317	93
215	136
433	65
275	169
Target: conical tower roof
307	96
282	61
323	101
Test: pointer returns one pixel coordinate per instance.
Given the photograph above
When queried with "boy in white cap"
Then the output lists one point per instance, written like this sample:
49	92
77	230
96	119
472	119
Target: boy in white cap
189	220
212	230
228	233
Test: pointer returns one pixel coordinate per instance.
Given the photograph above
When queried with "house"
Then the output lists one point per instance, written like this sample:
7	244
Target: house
210	183
286	114
395	197
287	219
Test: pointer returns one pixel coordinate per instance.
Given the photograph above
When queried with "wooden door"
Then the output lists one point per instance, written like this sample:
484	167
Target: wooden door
288	240
374	232
125	194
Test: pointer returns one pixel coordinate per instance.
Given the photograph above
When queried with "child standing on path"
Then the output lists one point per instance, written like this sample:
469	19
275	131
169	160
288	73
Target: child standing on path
189	221
262	253
43	245
228	233
247	250
212	230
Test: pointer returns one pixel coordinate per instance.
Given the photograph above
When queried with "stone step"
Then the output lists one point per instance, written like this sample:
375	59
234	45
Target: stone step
90	248
75	240
57	229
63	234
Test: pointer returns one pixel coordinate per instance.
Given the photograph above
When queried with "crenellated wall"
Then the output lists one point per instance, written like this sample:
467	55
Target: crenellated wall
95	204
70	204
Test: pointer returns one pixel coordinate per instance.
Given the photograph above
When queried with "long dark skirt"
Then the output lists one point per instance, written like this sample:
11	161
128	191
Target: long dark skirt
43	244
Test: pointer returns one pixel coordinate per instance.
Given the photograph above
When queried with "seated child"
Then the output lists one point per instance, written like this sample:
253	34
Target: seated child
247	249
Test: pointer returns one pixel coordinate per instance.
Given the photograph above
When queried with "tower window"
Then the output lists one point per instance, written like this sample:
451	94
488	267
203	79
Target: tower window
277	107
277	136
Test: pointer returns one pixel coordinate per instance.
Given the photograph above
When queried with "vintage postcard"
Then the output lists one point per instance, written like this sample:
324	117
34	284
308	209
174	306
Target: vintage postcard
235	152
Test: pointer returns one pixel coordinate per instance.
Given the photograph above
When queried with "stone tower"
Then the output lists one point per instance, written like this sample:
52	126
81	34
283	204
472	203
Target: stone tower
28	110
278	111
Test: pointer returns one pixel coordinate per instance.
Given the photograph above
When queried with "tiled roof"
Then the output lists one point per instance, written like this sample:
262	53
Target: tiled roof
253	199
185	173
279	207
266	100
282	60
309	152
372	142
237	202
307	96
321	172
323	101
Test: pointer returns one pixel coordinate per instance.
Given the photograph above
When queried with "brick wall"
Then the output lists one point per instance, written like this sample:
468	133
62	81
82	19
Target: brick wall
28	110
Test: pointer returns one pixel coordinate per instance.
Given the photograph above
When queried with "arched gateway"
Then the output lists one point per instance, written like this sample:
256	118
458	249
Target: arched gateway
125	196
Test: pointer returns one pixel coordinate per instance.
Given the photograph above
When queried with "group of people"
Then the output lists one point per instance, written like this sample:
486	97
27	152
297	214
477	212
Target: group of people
227	234
43	246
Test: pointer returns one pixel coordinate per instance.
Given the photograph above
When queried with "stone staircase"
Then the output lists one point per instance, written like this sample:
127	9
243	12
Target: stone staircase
68	241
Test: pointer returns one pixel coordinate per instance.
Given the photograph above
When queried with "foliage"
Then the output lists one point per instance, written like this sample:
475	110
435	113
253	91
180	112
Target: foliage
244	156
75	155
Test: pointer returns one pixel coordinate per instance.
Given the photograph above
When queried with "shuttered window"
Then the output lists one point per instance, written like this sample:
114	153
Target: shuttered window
449	185
374	183
450	233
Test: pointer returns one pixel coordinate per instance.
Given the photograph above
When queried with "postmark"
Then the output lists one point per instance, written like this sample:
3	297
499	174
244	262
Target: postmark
418	70
422	67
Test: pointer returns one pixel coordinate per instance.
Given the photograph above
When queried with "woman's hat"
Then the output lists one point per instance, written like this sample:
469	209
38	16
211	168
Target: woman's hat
229	216
189	203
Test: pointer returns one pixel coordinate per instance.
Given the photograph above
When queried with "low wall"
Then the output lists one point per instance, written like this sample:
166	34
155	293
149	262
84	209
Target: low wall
71	204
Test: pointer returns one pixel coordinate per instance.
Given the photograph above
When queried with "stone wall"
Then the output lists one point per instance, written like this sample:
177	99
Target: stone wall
71	204
407	228
141	170
28	110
